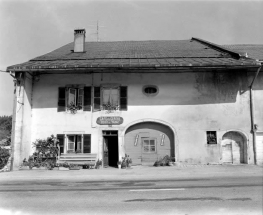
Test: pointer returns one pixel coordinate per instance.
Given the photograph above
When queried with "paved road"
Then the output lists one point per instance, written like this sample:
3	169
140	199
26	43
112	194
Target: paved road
216	195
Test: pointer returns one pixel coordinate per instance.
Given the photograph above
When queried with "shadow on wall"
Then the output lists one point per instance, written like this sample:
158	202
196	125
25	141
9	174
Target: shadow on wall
181	89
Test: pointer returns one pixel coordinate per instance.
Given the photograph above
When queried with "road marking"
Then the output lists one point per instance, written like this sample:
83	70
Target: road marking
169	189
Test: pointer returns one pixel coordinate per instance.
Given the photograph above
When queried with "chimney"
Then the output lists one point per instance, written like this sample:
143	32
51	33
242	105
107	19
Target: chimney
79	40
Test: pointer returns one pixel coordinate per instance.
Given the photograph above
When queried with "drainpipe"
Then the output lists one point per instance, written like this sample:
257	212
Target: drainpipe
253	128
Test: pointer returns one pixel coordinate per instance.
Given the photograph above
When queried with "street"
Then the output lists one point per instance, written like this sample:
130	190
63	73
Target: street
200	195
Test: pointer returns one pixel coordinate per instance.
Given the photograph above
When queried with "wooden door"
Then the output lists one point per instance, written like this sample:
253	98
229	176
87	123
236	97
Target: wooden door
149	150
105	152
227	152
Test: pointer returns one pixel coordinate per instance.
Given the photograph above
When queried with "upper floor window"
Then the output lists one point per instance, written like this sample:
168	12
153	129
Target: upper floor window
78	97
110	98
74	98
150	90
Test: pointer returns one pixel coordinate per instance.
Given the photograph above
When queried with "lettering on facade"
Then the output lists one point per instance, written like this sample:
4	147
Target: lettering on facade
109	120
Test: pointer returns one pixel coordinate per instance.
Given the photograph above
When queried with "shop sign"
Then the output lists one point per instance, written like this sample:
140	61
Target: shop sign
109	120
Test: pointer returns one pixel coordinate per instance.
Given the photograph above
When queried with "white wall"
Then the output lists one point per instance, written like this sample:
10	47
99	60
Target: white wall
191	102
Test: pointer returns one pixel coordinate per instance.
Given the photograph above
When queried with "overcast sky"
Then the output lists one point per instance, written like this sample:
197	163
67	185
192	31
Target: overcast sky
36	27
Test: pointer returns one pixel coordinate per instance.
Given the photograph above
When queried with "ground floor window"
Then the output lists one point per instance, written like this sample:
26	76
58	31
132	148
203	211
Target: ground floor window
74	143
211	137
149	145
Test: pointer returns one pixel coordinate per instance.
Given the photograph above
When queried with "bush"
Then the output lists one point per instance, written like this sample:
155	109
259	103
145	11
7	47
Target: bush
45	154
4	156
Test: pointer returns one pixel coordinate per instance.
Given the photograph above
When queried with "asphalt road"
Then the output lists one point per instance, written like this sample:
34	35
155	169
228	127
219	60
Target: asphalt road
226	195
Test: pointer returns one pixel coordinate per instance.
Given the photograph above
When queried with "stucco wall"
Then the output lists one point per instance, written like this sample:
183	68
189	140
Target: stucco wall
21	137
192	103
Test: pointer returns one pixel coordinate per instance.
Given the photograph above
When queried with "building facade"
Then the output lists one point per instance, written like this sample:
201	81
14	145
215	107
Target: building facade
187	99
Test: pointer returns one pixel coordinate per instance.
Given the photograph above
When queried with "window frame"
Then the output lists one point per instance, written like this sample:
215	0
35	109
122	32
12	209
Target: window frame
209	135
150	94
77	95
75	142
149	146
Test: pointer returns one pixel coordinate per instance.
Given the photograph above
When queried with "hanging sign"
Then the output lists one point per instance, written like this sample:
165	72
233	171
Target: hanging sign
109	120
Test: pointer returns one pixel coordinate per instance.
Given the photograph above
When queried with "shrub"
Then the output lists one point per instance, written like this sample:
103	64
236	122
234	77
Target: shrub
4	156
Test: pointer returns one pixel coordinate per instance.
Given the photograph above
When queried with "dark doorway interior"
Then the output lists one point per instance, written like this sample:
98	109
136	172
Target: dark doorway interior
111	154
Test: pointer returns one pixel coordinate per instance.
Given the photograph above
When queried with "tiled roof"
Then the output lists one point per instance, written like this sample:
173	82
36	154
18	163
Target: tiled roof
253	51
133	54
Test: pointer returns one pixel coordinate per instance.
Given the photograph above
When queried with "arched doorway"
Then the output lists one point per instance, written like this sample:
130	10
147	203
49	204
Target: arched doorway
234	148
146	142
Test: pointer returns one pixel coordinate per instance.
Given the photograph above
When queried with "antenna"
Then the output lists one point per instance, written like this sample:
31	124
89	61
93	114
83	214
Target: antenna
97	30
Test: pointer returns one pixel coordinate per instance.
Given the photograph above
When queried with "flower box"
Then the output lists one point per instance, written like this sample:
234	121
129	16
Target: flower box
61	168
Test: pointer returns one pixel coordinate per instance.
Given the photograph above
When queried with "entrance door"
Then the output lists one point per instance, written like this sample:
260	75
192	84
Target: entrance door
149	150
110	148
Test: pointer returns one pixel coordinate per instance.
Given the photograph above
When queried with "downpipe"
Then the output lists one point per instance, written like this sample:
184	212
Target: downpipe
253	126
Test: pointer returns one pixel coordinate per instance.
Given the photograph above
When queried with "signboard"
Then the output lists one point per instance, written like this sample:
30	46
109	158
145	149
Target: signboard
109	120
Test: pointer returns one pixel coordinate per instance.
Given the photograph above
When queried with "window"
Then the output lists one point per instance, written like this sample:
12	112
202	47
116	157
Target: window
74	97
150	90
110	98
74	144
211	137
80	143
149	145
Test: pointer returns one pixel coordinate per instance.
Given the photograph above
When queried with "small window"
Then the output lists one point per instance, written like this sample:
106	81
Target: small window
149	145
150	90
211	137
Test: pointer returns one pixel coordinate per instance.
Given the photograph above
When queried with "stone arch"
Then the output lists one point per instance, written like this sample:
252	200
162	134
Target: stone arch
234	146
159	122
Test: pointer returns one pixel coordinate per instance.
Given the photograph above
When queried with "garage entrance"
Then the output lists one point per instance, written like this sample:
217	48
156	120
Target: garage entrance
110	148
148	141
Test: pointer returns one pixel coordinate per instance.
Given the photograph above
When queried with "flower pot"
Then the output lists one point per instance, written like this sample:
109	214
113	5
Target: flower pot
74	168
119	166
24	168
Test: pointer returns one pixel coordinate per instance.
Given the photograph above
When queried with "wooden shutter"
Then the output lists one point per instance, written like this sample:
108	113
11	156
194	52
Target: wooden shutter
87	99
61	99
123	98
86	143
60	137
96	98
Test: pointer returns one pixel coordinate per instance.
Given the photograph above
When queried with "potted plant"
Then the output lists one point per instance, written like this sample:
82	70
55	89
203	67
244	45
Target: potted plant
74	167
119	164
98	164
126	161
64	166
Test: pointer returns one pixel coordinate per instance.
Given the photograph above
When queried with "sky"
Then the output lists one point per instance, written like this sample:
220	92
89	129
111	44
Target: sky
30	28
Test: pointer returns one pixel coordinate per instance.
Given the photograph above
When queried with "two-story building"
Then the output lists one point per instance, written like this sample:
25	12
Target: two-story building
189	99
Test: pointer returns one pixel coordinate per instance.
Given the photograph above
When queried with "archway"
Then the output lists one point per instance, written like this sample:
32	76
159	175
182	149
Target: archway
234	147
147	141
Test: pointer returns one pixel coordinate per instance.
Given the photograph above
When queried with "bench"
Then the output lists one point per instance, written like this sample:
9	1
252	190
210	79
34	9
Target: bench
78	159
